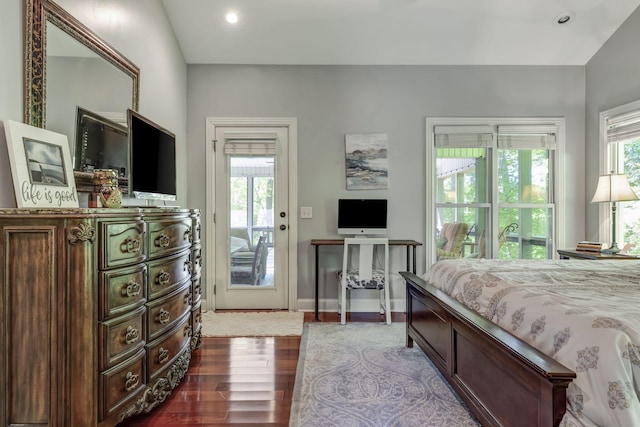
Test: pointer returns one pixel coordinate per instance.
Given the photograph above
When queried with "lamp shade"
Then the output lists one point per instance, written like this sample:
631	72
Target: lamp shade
613	188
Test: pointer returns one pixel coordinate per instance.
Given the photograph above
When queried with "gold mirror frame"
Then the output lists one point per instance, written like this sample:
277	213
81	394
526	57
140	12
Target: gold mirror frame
37	14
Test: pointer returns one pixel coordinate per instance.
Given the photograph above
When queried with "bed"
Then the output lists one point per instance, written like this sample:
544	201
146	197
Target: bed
533	343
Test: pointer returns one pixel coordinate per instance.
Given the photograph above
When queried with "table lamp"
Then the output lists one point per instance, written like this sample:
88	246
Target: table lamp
613	188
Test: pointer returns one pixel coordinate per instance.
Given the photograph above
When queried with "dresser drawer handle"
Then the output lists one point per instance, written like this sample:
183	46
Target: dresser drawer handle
132	289
163	316
130	245
163	278
132	335
187	330
198	317
163	241
199	260
197	290
187	235
132	381
163	355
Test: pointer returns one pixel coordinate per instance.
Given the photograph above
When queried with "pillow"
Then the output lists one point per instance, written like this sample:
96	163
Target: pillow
441	242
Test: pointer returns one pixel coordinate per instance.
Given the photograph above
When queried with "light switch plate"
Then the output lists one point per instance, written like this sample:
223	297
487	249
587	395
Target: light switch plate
306	212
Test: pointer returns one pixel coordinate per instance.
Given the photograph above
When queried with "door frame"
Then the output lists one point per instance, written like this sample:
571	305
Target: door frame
291	123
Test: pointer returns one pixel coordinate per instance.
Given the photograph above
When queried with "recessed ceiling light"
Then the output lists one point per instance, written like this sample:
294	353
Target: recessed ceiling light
564	18
232	18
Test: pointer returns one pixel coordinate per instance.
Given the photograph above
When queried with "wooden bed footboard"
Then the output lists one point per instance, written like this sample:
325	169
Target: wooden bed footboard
504	381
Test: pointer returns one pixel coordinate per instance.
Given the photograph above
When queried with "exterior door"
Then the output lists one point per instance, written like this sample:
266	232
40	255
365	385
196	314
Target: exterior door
252	223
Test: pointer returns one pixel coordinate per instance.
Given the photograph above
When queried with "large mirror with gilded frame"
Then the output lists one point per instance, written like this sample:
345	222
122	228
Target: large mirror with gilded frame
68	66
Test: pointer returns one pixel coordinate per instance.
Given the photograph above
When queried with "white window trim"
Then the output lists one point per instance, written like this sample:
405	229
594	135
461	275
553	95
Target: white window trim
606	166
558	239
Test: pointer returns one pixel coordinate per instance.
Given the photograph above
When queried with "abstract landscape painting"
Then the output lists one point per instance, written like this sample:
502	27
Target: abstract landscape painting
366	161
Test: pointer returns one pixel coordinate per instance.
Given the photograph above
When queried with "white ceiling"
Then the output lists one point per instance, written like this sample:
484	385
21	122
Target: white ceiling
446	32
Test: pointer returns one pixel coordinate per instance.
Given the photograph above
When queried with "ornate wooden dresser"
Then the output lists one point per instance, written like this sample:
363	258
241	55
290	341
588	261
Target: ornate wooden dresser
99	312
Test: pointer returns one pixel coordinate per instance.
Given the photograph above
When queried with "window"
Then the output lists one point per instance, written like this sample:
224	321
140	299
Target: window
620	147
496	178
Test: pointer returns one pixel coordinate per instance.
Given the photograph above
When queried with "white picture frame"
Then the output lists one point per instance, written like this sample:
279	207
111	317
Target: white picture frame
41	167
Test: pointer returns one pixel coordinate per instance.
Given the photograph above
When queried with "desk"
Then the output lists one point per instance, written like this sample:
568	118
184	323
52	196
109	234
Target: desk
411	258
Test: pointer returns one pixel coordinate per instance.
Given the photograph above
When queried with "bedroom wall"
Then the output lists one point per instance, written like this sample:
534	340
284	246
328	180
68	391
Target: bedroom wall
612	79
141	31
10	85
330	101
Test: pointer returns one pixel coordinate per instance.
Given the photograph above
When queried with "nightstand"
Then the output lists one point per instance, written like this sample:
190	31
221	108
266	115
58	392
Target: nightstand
574	254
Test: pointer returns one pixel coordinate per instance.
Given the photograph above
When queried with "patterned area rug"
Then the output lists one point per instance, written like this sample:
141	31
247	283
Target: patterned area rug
252	324
362	375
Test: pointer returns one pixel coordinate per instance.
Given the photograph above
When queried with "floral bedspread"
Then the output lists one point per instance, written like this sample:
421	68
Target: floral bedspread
584	314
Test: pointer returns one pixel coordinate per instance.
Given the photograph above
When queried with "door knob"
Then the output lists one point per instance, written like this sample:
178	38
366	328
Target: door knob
282	214
283	227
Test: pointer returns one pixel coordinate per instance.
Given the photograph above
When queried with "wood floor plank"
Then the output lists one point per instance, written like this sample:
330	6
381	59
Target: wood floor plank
238	381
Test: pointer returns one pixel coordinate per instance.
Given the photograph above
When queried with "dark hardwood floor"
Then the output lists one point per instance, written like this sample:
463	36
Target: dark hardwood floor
239	382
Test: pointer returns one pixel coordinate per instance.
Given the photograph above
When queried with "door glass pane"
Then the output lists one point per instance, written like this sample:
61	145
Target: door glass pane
251	213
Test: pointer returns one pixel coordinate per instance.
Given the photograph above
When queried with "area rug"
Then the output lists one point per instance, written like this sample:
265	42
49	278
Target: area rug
362	375
252	324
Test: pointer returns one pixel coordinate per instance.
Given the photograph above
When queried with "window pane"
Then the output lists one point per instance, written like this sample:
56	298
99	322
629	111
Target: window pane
628	214
525	233
523	176
471	243
461	175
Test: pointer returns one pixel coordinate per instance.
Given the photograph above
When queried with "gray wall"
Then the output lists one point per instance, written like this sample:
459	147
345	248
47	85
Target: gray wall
330	101
10	86
612	79
142	33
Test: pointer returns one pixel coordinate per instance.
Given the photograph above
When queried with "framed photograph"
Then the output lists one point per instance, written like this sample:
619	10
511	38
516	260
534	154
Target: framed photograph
40	166
366	161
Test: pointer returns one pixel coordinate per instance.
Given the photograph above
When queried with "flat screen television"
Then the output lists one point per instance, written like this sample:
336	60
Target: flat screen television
100	143
153	159
362	217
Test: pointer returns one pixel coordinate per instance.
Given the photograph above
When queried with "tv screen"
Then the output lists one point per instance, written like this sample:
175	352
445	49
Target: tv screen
100	143
362	216
153	159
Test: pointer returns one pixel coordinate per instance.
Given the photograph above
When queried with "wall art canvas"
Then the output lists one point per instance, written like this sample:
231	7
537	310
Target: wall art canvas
41	167
366	161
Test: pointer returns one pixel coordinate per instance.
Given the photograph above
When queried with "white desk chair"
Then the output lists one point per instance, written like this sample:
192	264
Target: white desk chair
367	275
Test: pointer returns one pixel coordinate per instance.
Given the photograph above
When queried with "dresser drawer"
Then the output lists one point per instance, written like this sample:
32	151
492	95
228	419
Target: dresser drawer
166	311
168	273
196	289
196	260
197	228
169	236
121	384
121	243
162	352
196	318
121	337
122	290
